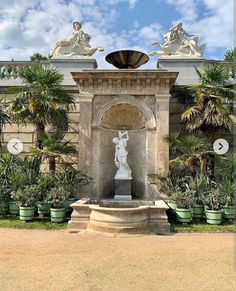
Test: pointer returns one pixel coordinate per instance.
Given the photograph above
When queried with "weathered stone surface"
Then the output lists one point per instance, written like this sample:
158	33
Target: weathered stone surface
185	67
149	218
123	189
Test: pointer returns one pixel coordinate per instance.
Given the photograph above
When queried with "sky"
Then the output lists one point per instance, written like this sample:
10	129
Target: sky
29	26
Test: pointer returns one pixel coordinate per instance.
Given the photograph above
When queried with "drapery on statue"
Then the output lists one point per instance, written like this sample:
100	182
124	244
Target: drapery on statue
77	45
121	154
179	43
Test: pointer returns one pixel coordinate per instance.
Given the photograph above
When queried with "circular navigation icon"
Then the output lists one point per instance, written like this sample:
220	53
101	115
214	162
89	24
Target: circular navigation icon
221	146
15	146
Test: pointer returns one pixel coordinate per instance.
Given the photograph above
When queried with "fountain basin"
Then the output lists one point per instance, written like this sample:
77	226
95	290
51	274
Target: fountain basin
122	220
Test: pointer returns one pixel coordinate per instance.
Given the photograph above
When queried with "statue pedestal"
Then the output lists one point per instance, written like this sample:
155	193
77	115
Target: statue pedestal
68	65
183	65
122	190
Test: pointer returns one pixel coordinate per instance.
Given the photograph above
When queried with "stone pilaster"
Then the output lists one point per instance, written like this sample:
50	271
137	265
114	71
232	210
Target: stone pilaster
162	117
85	136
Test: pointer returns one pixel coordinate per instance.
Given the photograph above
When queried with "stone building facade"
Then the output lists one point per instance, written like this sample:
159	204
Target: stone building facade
110	100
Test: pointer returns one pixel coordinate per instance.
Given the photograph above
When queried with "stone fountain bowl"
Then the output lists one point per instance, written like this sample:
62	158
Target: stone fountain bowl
127	59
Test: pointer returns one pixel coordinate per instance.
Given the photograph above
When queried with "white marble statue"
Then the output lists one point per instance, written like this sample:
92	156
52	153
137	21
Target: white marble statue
77	45
123	172
179	43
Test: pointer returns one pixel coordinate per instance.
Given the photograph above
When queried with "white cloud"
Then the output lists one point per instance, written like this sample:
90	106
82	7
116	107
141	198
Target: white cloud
151	32
214	26
35	26
187	8
131	3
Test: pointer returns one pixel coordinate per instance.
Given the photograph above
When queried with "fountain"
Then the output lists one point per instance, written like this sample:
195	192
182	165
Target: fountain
127	108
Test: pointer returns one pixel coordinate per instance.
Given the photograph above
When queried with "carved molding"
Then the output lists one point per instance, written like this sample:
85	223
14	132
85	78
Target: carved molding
136	82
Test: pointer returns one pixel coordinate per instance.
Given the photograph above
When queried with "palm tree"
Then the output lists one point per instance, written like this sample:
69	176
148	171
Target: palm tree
41	100
230	54
213	102
191	151
37	57
54	148
4	118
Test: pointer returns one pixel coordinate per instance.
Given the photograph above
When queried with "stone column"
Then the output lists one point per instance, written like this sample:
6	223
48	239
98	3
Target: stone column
162	117
85	137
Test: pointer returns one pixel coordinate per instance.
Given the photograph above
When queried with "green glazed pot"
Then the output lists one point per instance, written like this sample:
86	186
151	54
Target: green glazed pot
57	215
183	215
198	211
67	204
27	213
13	208
229	212
171	204
4	208
214	216
43	208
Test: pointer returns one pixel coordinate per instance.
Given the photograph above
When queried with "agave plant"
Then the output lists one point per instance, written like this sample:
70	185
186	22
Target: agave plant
71	179
44	185
226	190
184	199
199	186
167	184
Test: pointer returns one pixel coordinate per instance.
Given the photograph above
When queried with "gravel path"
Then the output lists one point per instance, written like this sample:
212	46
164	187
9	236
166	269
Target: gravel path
57	260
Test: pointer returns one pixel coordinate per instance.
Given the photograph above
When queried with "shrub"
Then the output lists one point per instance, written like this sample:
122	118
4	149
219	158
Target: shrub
44	186
57	196
25	197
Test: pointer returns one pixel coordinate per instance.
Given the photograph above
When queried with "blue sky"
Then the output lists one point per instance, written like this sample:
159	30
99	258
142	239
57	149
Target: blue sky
34	26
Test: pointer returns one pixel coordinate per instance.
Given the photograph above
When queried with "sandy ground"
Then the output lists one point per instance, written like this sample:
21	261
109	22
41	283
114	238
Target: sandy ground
57	260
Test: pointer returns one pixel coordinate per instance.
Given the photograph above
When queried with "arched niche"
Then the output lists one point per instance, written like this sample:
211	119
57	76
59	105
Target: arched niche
127	106
139	120
123	117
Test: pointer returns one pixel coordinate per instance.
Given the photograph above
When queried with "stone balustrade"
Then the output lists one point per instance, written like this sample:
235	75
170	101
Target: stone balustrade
10	69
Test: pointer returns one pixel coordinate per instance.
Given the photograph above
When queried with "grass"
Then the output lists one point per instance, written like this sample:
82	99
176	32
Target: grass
202	226
45	224
38	223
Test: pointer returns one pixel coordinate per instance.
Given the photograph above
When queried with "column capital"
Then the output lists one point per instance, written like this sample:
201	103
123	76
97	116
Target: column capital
163	97
85	97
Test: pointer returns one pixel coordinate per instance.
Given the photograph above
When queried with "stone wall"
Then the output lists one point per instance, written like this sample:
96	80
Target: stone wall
27	133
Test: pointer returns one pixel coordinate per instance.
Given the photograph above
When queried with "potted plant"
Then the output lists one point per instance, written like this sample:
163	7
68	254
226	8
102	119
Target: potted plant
14	208
56	197
183	210
198	185
26	198
226	189
8	165
70	179
17	180
44	186
212	201
4	199
168	186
